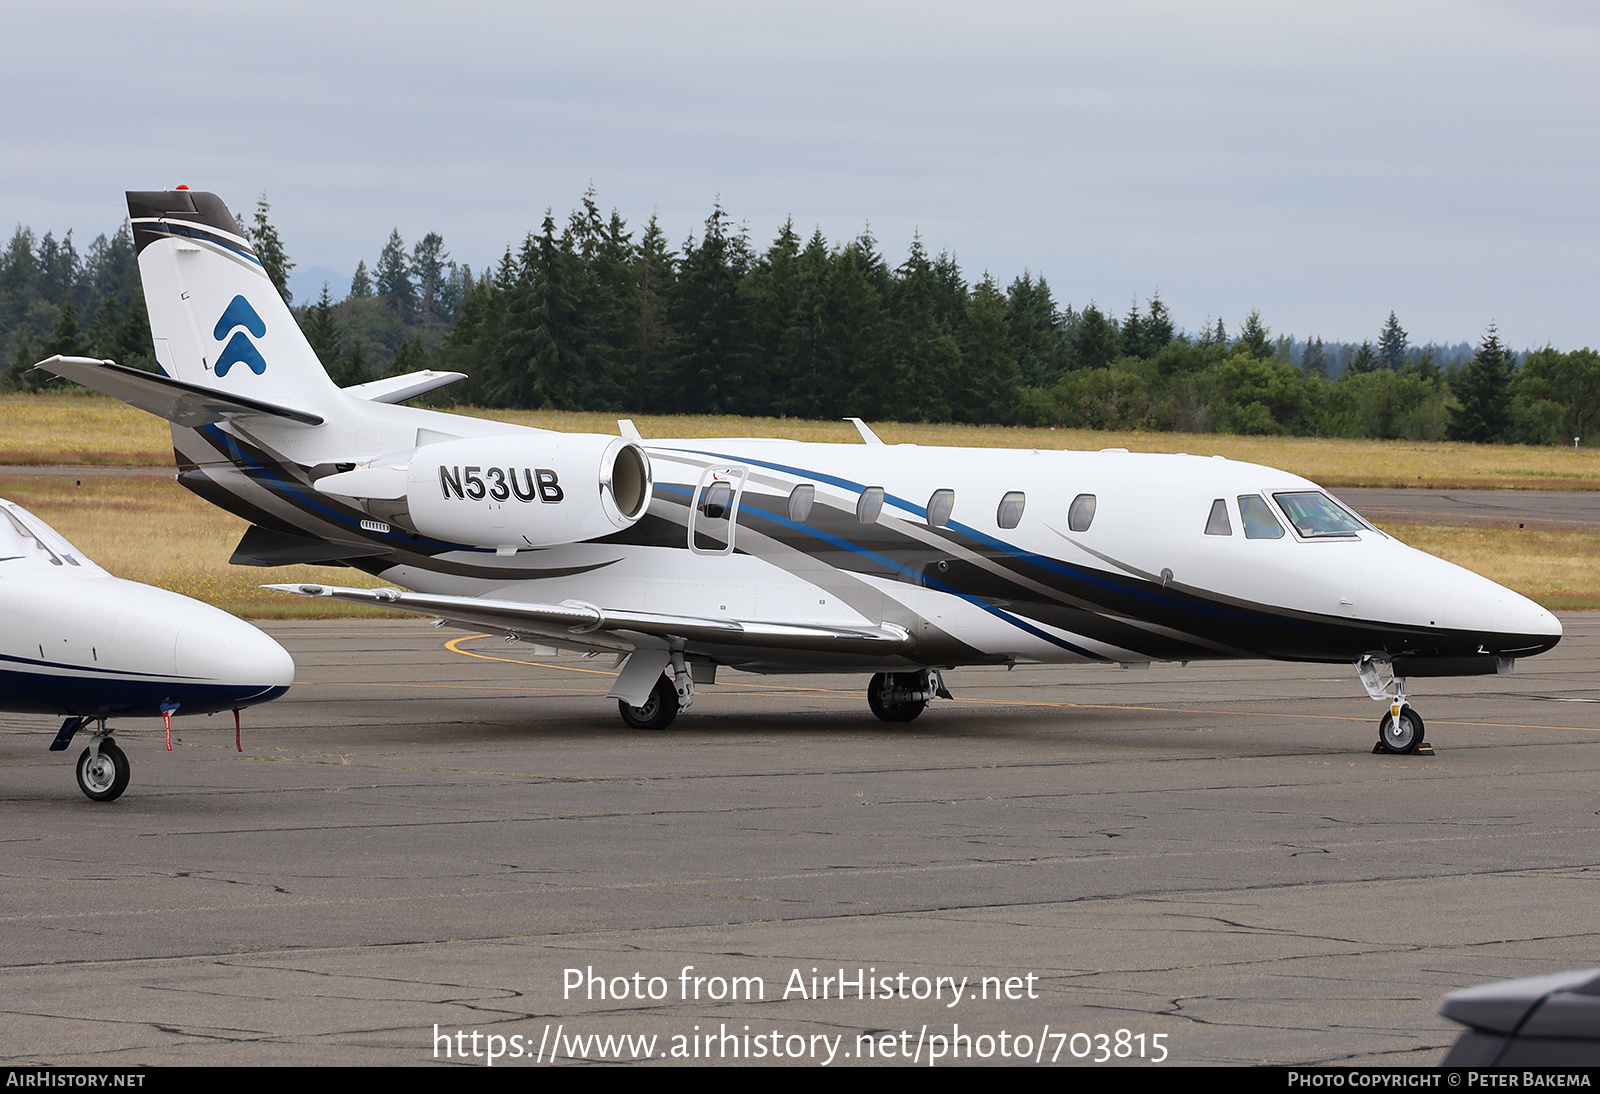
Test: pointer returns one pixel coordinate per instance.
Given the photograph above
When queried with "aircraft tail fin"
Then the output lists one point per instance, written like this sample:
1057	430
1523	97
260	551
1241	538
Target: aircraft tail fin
217	320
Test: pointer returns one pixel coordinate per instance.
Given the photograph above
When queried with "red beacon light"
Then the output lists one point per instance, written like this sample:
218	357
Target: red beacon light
183	185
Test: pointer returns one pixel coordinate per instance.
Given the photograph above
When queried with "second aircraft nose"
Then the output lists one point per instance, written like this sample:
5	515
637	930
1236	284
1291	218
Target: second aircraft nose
231	653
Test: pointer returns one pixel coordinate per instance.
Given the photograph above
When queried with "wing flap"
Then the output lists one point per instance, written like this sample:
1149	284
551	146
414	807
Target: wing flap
580	619
177	401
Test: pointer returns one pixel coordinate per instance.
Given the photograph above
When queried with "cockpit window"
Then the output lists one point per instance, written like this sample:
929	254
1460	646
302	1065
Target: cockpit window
1217	523
1315	515
19	539
1080	514
1259	523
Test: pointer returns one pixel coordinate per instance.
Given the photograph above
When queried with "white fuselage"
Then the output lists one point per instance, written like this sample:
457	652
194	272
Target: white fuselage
79	641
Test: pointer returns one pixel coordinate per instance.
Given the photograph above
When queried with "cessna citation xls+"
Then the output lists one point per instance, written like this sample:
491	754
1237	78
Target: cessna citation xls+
81	643
769	555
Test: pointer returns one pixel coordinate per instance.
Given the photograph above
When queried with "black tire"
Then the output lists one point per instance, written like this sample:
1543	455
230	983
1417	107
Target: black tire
884	708
658	711
1402	737
107	777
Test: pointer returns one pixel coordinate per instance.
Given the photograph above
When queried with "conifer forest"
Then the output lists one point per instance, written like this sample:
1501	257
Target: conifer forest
591	313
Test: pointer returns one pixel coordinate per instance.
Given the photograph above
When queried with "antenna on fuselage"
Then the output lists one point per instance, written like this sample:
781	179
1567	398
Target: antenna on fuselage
867	435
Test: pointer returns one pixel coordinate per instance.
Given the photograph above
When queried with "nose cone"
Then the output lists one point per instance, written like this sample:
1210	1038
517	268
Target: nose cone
241	663
1517	618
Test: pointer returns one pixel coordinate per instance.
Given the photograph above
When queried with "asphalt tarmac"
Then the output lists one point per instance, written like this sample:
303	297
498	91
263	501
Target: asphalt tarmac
428	832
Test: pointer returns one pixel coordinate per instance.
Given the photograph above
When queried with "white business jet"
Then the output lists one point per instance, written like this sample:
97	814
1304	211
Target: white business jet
81	643
768	555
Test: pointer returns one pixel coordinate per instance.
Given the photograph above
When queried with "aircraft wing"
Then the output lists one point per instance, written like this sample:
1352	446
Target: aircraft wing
175	400
634	628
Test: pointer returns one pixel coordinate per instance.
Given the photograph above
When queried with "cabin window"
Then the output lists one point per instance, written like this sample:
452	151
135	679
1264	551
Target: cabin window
870	505
1259	523
1217	523
717	500
1317	516
801	498
940	506
1009	515
1080	514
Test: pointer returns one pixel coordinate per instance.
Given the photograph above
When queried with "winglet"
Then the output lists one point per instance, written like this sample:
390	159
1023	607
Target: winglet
628	430
867	435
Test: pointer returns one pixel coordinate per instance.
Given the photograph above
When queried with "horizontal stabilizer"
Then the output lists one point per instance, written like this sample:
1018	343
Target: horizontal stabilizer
397	389
178	402
265	547
580	619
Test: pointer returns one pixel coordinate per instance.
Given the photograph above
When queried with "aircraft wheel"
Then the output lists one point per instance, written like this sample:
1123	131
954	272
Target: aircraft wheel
103	778
658	711
1402	735
887	709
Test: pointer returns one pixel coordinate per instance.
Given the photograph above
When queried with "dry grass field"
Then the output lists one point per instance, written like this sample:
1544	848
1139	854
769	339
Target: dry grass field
47	430
149	529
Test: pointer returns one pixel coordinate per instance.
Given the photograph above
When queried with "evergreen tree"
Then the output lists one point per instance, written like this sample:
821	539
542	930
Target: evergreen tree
1314	361
927	359
361	283
394	283
1482	388
1133	333
1094	342
66	340
990	388
813	384
1253	337
1392	345
1159	329
1362	361
431	267
857	331
771	297
650	345
1036	331
711	345
269	249
412	356
321	329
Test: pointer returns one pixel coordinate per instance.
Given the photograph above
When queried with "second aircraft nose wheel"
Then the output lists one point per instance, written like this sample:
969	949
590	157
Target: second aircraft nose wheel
103	777
1400	735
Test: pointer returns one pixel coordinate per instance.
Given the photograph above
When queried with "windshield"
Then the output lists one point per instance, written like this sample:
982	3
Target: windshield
1315	515
23	535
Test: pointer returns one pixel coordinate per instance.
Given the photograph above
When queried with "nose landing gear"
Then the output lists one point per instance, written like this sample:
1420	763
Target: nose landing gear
1401	730
103	769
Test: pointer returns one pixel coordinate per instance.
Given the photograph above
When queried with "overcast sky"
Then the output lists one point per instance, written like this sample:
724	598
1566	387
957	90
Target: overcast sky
1323	163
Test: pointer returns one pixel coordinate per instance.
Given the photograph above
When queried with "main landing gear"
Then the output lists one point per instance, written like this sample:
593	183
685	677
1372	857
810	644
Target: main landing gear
1401	730
658	711
901	696
103	769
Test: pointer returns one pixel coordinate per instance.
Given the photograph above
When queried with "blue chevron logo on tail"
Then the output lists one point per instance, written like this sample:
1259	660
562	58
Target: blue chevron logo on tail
240	349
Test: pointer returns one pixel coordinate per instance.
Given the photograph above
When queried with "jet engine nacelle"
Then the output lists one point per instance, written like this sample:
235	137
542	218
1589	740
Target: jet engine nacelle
523	490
